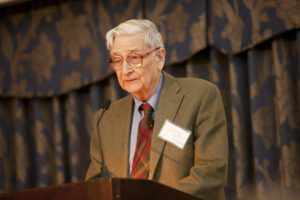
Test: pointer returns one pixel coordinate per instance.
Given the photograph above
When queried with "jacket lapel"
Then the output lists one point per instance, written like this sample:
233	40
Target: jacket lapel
121	127
169	102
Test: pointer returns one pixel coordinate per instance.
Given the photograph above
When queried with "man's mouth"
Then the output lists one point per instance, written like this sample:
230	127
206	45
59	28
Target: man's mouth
130	80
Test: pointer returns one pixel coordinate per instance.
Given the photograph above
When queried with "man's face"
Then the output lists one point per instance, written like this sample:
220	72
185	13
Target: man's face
141	81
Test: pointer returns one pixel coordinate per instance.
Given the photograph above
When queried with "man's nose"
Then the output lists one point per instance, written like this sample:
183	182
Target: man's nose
126	68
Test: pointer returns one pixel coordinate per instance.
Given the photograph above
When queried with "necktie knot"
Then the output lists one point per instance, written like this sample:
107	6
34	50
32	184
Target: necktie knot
148	111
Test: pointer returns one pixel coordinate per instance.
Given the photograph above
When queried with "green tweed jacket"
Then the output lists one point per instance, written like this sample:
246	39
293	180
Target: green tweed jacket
200	168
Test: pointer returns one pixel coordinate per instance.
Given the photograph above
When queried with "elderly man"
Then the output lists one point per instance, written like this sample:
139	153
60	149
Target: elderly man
170	130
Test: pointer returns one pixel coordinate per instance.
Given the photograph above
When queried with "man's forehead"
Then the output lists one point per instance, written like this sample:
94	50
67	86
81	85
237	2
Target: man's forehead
128	43
128	50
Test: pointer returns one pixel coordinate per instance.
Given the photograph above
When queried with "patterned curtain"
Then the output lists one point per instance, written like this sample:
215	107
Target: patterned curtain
54	76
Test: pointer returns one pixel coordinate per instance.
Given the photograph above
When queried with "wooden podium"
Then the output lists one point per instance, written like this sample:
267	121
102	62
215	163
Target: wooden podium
103	189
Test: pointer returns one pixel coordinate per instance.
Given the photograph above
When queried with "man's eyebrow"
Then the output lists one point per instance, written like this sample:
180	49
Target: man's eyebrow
135	50
130	51
116	54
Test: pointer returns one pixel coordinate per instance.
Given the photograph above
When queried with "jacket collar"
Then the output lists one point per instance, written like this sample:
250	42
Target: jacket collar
169	102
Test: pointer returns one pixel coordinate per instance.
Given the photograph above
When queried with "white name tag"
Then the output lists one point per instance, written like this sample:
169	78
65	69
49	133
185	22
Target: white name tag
174	134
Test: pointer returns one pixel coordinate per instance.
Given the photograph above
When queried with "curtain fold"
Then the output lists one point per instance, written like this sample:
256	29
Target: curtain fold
45	141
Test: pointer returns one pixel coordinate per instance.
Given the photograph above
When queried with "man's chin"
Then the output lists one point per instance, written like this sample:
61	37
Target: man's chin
132	90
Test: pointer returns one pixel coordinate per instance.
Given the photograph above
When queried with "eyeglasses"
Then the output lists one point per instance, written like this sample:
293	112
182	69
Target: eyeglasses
133	60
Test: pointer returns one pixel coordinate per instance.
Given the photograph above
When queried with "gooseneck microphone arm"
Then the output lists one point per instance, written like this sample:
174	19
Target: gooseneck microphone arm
104	173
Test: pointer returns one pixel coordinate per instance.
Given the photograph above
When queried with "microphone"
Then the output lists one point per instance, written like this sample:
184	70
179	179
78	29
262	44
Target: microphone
104	171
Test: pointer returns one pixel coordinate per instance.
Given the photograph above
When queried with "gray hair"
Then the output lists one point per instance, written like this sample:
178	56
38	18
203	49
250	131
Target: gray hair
153	38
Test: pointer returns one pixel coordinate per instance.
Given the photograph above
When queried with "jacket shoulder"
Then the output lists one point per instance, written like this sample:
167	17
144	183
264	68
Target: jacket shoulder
120	104
196	85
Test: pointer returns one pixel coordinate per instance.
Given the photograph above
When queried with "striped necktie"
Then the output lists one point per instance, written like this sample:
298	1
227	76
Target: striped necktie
141	159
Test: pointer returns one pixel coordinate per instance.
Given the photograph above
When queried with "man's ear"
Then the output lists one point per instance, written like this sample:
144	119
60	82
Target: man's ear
160	57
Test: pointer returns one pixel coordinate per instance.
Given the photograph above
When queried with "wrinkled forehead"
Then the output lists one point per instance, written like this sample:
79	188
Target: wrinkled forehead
128	42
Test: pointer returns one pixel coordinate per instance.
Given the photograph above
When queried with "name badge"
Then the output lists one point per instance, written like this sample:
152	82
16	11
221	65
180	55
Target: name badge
174	134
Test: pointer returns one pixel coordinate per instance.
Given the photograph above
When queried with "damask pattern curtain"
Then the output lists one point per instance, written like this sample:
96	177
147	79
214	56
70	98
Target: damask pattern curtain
54	76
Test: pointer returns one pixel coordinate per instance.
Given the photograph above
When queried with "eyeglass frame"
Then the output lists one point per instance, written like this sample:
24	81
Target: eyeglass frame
134	67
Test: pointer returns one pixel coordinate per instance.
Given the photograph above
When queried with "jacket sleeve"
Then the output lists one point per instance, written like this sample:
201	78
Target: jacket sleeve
207	176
